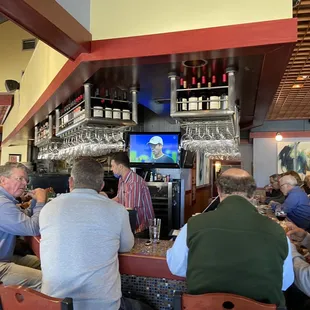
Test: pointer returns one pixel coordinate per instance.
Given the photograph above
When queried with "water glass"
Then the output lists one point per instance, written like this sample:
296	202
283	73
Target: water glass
154	230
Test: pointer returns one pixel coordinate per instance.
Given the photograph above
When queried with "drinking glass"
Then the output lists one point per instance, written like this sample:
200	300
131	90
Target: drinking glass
280	214
154	230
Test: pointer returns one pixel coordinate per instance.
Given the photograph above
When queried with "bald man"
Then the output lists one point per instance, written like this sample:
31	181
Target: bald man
296	204
234	249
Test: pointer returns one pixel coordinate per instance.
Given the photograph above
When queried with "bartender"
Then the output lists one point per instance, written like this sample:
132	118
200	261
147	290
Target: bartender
133	192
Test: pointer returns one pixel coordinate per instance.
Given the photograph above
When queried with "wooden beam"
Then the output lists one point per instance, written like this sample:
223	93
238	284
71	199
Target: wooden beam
49	22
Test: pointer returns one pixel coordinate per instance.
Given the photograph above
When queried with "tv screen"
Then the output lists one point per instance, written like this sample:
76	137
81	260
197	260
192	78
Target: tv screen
158	149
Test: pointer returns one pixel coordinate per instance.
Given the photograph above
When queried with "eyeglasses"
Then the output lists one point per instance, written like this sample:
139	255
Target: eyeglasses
20	179
283	184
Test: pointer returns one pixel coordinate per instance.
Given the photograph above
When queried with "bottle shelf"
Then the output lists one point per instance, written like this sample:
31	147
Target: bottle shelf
72	109
96	122
203	114
45	141
111	99
202	88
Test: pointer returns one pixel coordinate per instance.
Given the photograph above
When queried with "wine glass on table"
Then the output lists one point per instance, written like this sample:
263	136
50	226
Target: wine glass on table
280	214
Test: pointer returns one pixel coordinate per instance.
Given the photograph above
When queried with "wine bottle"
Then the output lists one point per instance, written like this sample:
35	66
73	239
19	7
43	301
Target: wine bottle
184	97
126	109
224	79
192	101
108	104
116	106
204	95
180	96
209	77
199	96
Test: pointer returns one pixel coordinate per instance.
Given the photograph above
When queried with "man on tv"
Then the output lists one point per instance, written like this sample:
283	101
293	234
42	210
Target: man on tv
156	143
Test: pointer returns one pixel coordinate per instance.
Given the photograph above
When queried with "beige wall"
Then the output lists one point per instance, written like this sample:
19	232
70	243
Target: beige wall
13	60
43	66
119	18
19	149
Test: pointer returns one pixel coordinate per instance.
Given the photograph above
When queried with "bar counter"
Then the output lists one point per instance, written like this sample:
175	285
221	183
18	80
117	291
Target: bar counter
144	272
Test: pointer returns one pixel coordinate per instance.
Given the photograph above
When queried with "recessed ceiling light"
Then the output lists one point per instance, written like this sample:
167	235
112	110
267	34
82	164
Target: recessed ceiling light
298	86
302	77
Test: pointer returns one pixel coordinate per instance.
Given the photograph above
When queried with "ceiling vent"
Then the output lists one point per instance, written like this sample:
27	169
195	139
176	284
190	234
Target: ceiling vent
29	44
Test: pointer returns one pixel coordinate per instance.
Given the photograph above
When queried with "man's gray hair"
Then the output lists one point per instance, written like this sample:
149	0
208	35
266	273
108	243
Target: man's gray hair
230	185
87	173
289	179
6	169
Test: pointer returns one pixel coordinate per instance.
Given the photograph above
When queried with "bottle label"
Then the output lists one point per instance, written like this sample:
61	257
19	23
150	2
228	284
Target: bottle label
66	118
184	104
200	103
214	103
108	113
98	111
203	80
192	104
126	115
117	113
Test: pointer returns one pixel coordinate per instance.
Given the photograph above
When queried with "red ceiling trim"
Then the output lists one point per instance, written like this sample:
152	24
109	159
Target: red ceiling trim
207	39
6	99
36	22
285	134
232	38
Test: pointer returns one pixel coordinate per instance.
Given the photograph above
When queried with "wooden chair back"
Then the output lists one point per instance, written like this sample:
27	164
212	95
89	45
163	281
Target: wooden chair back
21	298
217	301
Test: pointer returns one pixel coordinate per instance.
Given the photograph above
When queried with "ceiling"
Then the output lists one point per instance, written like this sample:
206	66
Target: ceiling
293	94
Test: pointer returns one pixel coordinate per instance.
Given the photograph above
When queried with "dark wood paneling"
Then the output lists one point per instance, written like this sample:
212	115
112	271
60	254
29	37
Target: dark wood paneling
42	19
188	206
203	195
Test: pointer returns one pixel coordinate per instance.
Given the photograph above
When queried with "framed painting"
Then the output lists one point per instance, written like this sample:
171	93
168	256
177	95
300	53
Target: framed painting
15	158
286	153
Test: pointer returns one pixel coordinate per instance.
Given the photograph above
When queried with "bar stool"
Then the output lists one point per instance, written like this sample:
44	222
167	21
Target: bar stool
217	301
21	298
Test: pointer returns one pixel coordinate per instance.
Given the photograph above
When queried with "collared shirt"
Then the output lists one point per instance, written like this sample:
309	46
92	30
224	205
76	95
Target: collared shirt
178	254
301	267
15	222
297	207
133	193
81	235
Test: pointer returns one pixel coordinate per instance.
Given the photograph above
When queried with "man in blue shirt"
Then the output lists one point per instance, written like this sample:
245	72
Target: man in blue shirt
296	204
18	270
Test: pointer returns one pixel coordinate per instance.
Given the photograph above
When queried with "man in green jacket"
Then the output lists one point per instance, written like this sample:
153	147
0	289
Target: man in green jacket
234	249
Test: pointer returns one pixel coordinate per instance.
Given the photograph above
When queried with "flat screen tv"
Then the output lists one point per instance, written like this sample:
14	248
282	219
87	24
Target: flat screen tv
155	150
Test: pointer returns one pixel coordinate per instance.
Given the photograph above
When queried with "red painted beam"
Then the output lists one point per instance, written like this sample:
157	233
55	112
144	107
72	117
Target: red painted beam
43	20
207	39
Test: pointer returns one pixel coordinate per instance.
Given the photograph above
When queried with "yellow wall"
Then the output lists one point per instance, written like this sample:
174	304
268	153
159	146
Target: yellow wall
119	18
20	149
13	60
43	66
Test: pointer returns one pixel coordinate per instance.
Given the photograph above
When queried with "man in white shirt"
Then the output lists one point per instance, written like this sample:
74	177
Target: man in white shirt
81	235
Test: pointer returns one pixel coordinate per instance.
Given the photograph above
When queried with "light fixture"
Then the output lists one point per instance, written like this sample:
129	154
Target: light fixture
278	137
218	166
302	77
298	86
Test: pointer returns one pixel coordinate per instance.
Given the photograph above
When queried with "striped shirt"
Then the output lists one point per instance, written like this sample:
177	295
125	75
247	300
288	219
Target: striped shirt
133	193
